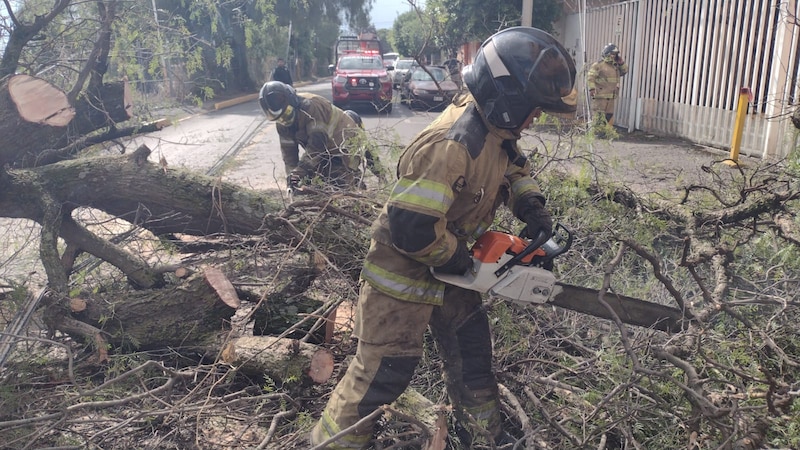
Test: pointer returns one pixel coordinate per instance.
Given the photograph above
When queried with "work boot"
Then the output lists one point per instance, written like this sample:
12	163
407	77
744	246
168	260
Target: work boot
327	428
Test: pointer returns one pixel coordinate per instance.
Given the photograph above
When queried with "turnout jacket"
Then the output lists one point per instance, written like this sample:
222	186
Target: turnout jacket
451	180
604	77
323	130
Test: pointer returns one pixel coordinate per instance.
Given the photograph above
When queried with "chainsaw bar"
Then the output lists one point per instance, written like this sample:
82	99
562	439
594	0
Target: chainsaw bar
631	311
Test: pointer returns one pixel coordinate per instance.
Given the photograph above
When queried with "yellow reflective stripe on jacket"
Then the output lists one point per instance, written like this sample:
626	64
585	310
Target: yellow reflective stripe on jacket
404	288
426	194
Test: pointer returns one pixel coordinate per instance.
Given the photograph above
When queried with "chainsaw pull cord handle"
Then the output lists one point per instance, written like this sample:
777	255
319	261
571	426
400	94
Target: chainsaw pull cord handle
535	243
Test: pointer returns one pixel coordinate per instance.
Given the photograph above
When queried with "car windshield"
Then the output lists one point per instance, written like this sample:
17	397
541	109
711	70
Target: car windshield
403	64
438	73
360	62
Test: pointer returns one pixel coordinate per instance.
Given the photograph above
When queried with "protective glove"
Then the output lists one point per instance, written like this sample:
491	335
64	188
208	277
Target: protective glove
293	181
537	219
459	263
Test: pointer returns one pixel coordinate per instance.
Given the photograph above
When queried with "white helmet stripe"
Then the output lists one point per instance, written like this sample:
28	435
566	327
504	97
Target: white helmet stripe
494	62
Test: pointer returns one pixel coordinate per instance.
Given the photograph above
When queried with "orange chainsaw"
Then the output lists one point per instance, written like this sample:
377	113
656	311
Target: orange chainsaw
516	269
512	267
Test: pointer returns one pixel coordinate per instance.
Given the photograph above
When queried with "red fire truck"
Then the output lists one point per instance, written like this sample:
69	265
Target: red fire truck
359	76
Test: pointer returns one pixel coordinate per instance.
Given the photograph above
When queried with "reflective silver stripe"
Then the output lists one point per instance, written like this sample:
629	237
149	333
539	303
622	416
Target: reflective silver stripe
431	294
428	194
494	62
350	441
287	140
524	184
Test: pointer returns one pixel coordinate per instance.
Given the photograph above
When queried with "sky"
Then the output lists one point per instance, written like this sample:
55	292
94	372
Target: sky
385	11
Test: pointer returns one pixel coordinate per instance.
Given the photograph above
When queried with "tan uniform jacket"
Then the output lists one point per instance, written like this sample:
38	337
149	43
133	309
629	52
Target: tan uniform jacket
604	77
451	180
323	130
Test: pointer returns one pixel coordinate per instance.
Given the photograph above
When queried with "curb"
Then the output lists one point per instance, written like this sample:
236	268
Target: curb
250	97
235	101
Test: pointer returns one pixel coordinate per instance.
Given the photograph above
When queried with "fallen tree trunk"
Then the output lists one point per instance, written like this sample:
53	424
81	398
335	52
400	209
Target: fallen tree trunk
160	200
190	314
37	117
133	189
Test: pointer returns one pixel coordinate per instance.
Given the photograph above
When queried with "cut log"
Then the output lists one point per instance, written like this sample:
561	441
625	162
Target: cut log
222	286
36	117
38	101
33	117
186	315
281	359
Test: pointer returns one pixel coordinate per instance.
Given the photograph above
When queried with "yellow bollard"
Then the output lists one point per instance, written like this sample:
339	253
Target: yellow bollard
745	97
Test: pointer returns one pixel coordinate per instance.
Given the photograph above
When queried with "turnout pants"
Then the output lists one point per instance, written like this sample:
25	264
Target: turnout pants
390	345
604	108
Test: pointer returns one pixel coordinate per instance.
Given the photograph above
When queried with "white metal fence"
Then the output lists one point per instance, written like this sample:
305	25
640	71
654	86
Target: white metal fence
689	60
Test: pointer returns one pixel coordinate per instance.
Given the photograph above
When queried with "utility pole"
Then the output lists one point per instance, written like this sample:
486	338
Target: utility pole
289	42
164	69
527	13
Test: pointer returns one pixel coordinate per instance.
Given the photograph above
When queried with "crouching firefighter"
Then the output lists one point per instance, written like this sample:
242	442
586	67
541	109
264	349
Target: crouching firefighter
452	178
323	130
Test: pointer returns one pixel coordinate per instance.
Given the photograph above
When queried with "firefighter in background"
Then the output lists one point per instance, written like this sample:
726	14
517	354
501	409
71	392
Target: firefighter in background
323	130
452	178
603	83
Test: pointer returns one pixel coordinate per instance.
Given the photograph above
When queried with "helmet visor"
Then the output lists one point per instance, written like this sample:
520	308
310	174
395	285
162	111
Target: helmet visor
275	105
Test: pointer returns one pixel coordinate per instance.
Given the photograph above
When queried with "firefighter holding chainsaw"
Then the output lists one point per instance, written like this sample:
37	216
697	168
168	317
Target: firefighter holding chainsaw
324	131
451	180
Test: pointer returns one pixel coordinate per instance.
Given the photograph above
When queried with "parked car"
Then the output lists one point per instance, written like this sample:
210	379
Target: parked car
420	90
401	68
360	79
389	59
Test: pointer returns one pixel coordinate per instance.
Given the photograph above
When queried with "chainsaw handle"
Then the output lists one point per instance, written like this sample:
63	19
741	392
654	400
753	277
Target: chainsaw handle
535	243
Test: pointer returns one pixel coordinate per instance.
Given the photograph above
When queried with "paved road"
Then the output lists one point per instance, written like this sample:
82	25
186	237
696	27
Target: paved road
247	144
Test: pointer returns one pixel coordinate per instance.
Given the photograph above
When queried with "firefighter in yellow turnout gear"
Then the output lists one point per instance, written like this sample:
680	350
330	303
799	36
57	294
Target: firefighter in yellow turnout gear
451	180
603	83
325	132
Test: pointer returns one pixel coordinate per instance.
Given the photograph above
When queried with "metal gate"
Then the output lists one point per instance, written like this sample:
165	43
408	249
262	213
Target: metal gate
689	60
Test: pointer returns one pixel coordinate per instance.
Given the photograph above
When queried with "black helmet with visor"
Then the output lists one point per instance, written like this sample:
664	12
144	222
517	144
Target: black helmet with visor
279	102
518	70
609	50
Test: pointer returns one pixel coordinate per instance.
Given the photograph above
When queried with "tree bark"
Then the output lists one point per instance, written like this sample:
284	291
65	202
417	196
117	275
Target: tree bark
160	200
102	107
279	358
186	315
